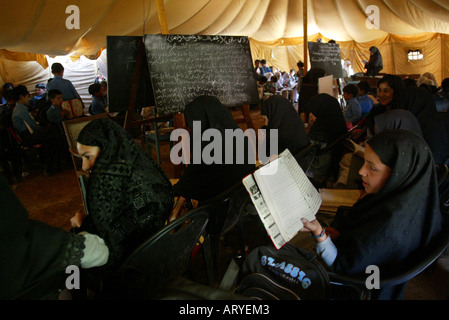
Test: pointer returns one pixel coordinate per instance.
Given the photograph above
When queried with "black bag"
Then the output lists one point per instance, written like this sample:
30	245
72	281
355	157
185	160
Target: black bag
289	273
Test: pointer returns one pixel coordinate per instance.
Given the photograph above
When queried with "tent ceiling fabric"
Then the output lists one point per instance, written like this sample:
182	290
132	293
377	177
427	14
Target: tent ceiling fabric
41	27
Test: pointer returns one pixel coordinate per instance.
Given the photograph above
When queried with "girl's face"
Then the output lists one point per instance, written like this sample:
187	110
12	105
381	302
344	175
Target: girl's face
386	94
374	173
89	154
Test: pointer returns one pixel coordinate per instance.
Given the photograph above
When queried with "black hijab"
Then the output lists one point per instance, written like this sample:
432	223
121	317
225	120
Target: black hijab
202	181
330	123
283	117
421	103
128	195
31	251
397	119
383	229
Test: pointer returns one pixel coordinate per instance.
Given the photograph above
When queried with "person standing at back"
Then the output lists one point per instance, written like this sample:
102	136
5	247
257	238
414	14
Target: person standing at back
58	82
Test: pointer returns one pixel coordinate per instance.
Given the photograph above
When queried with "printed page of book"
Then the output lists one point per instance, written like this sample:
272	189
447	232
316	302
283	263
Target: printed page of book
288	193
264	213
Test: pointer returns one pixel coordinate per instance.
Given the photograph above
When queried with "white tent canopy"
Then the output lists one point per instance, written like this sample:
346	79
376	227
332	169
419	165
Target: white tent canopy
275	28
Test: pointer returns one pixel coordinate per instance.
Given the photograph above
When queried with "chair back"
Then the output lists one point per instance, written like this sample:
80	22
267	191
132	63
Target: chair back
227	211
165	256
306	156
73	127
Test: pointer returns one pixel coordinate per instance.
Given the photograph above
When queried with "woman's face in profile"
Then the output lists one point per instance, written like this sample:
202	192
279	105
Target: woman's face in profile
386	94
374	172
89	154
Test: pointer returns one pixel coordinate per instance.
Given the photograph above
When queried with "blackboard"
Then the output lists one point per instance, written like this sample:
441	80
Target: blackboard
183	67
121	54
326	56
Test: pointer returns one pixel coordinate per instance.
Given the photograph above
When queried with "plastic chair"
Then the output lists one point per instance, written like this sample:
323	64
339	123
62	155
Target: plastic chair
393	286
306	155
164	257
48	288
227	210
158	134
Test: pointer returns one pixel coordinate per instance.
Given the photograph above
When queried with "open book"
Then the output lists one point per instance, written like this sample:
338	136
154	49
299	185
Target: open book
283	195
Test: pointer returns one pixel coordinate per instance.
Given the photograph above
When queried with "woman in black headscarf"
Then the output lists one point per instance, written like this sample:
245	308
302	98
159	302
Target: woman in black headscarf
397	119
375	63
280	115
203	180
399	215
327	124
128	195
33	252
421	103
389	91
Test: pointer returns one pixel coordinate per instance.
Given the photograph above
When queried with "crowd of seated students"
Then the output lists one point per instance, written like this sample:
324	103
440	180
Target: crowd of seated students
36	120
275	82
126	184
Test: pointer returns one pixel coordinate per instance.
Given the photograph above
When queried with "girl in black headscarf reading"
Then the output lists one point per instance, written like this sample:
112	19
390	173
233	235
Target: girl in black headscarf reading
399	215
128	195
203	180
375	63
33	252
280	115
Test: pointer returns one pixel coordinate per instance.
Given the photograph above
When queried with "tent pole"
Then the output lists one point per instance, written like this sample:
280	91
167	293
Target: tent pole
304	11
162	17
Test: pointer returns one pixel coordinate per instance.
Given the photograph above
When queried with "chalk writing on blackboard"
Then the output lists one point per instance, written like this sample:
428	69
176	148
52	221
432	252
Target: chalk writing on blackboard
183	67
326	56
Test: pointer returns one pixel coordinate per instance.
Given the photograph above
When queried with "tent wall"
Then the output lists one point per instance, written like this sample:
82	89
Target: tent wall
81	71
284	54
29	69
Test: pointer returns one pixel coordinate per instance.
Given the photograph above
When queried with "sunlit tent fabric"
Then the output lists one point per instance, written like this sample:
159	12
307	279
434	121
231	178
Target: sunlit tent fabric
32	29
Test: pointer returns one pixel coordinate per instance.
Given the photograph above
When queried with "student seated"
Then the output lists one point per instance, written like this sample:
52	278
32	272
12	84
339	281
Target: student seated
202	181
33	251
279	114
353	111
98	105
399	214
365	100
326	125
32	133
128	195
40	93
420	102
55	114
